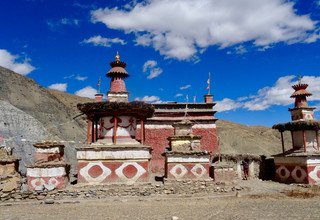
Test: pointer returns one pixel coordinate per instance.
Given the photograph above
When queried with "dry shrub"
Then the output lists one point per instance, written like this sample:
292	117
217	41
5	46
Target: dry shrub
298	193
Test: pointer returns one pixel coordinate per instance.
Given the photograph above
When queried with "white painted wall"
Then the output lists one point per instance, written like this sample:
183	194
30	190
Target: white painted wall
188	159
48	150
112	155
46	172
121	132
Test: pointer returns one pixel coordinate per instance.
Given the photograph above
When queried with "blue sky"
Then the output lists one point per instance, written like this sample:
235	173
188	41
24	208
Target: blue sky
253	49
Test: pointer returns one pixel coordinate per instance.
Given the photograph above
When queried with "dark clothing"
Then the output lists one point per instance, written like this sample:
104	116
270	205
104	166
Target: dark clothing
245	166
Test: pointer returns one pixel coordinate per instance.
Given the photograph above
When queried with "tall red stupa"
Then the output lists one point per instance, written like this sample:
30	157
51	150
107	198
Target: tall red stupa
300	164
112	154
117	73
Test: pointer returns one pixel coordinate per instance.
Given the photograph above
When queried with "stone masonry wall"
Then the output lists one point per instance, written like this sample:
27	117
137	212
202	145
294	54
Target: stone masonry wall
185	187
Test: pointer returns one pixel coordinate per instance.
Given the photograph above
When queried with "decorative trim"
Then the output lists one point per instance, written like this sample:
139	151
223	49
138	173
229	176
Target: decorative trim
117	94
187	160
295	177
147	126
126	154
204	126
140	171
46	172
163	126
313	161
314	174
174	169
85	172
48	150
196	167
286	173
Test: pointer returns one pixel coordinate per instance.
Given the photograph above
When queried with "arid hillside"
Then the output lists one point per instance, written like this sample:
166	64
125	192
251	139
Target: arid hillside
30	113
240	139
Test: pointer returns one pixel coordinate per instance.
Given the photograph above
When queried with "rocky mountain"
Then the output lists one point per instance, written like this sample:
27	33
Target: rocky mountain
30	113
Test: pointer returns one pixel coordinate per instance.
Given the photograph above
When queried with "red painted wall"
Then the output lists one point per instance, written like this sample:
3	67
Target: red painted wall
117	85
209	140
189	174
157	140
128	171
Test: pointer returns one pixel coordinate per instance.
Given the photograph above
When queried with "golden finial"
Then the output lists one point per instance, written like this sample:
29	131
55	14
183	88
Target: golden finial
117	56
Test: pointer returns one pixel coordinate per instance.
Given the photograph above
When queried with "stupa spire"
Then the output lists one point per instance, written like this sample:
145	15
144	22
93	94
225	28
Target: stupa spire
300	94
117	73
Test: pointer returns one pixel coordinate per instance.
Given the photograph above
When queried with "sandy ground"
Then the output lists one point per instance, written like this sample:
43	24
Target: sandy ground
266	200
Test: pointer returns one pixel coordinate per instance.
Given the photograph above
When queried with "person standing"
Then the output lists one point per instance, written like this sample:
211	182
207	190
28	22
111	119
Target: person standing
245	167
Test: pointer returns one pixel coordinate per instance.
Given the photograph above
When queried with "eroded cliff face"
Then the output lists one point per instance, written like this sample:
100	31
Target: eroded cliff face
20	130
29	114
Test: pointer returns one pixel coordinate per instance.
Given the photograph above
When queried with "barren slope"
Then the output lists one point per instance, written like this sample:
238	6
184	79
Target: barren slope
34	103
239	139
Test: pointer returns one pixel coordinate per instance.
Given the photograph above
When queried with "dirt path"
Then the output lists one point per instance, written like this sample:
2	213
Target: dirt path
165	208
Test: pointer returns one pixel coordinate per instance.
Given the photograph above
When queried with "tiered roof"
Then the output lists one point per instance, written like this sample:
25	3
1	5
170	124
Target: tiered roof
300	90
117	68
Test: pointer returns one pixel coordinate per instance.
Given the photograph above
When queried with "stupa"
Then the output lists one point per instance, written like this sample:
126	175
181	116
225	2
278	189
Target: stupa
300	164
49	171
112	153
185	159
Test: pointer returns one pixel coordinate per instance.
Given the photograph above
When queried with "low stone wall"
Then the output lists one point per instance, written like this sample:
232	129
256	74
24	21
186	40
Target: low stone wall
256	168
224	174
183	187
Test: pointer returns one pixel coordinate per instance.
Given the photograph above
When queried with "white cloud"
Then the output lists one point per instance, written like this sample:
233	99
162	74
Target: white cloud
87	91
148	99
69	76
182	28
178	95
55	24
226	105
103	41
77	77
155	72
9	61
242	50
185	87
81	78
151	67
278	94
59	86
149	64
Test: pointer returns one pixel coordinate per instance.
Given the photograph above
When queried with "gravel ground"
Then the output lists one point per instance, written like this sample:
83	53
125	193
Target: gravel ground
166	208
262	200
